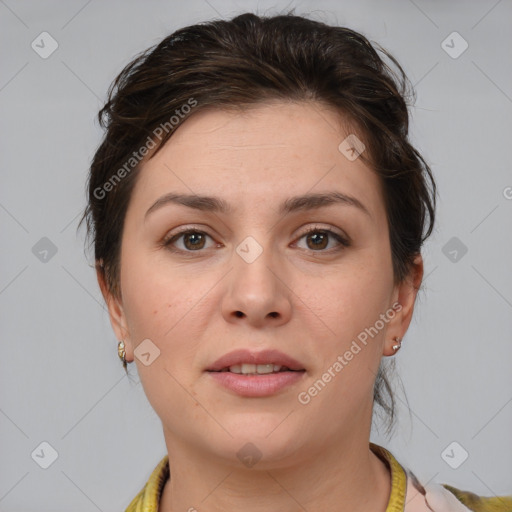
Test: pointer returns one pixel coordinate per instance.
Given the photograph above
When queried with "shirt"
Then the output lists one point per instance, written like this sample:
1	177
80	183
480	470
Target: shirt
407	494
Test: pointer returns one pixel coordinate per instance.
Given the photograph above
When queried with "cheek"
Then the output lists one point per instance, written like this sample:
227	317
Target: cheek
159	305
146	303
347	343
166	305
148	299
350	300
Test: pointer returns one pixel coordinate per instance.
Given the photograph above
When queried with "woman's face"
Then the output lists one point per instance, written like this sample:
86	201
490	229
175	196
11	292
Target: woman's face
281	269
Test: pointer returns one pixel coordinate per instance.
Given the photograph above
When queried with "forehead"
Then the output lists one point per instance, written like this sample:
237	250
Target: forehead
267	153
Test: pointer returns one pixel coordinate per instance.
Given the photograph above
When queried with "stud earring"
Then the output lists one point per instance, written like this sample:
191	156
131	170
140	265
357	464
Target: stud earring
396	347
122	353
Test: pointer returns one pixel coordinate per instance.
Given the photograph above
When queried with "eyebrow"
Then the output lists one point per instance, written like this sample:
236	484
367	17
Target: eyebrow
293	204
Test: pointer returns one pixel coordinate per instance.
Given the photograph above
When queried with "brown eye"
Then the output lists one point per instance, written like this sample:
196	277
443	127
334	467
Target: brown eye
191	240
318	240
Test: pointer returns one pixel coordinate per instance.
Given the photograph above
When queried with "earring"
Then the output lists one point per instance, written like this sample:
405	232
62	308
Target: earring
396	347
121	353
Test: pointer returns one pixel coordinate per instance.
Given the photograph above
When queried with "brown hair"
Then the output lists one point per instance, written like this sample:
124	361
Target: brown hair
240	63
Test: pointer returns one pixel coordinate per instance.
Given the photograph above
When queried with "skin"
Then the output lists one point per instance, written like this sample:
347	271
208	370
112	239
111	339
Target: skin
308	302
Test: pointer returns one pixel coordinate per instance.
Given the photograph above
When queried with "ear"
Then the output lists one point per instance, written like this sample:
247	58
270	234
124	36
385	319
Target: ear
116	313
404	296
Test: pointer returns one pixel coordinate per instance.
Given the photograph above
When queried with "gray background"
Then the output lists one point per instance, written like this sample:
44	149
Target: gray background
61	381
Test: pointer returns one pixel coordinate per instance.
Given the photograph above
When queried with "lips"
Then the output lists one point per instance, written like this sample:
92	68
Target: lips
239	358
256	374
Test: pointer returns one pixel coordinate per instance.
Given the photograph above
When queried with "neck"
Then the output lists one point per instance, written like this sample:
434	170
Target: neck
348	478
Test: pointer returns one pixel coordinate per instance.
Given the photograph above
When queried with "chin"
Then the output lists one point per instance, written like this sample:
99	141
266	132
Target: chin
263	440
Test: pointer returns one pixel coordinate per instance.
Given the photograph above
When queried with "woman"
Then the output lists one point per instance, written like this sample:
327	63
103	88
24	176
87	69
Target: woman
258	215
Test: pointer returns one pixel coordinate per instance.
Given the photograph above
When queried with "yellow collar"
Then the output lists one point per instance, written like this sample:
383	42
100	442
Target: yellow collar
148	499
396	502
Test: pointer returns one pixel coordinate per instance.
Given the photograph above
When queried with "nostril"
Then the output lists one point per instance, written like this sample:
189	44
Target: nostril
274	314
239	314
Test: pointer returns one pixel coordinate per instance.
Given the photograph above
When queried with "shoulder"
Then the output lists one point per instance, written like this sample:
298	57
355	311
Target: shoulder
446	498
147	500
408	494
481	503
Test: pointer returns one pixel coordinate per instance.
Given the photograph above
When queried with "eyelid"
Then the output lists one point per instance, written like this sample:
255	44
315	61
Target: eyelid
185	230
327	228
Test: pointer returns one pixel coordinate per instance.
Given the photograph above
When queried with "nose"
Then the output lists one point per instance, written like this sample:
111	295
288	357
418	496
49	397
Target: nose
257	292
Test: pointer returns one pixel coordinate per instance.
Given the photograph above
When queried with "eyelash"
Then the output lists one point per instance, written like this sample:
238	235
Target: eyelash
344	243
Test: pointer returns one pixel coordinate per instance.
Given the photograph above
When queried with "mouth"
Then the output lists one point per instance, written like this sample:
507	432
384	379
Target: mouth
256	369
256	374
246	362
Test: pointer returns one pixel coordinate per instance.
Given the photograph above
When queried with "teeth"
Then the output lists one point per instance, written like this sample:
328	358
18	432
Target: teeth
265	368
254	369
248	368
